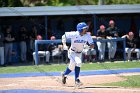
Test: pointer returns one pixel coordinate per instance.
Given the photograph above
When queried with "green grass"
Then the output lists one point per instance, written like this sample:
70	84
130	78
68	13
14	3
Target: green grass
116	65
132	81
61	67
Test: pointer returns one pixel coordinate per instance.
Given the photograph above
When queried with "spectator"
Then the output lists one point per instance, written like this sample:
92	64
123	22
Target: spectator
54	49
113	33
138	40
9	38
42	51
23	36
89	54
2	49
131	46
65	53
33	35
101	34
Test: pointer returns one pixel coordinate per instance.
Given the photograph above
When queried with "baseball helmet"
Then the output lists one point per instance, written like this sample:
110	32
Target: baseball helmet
81	26
39	37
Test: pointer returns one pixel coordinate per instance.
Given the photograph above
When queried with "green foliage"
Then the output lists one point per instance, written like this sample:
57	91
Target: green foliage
54	3
40	4
122	2
10	3
17	3
3	3
68	2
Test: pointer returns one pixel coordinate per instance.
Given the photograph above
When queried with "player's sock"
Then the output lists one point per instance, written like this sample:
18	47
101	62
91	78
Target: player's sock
67	71
77	71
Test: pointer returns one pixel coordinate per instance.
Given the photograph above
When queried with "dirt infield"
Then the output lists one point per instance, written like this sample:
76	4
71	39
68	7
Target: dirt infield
53	83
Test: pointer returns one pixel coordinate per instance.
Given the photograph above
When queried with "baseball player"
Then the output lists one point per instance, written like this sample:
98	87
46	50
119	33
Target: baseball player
101	34
112	34
78	39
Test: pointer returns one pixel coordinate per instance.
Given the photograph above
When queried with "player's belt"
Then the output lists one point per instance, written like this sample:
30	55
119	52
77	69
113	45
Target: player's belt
75	51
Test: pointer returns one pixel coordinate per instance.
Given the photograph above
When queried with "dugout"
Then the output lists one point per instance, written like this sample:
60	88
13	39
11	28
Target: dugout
51	20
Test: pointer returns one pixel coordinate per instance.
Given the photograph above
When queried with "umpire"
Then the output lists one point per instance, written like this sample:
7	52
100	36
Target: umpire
113	33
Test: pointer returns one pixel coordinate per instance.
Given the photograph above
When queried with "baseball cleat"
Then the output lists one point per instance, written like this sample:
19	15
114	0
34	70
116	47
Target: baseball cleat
63	79
78	83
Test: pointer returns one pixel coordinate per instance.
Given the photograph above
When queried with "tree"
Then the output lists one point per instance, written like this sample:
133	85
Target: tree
18	3
10	3
3	3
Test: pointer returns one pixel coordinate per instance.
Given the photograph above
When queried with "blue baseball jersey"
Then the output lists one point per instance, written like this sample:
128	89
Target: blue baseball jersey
78	41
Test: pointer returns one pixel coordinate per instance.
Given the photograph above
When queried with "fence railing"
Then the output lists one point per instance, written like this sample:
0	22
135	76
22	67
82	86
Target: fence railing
95	40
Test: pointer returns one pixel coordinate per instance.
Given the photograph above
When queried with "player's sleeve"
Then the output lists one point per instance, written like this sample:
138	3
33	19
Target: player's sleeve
68	35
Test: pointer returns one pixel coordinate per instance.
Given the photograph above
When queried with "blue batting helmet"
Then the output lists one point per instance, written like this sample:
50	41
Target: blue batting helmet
81	26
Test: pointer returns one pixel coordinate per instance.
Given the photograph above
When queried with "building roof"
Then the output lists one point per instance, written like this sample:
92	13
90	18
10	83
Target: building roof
69	10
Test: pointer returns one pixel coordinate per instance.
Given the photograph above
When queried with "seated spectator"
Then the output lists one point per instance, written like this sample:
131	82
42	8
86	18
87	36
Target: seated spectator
41	51
53	48
101	34
131	46
65	54
88	53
